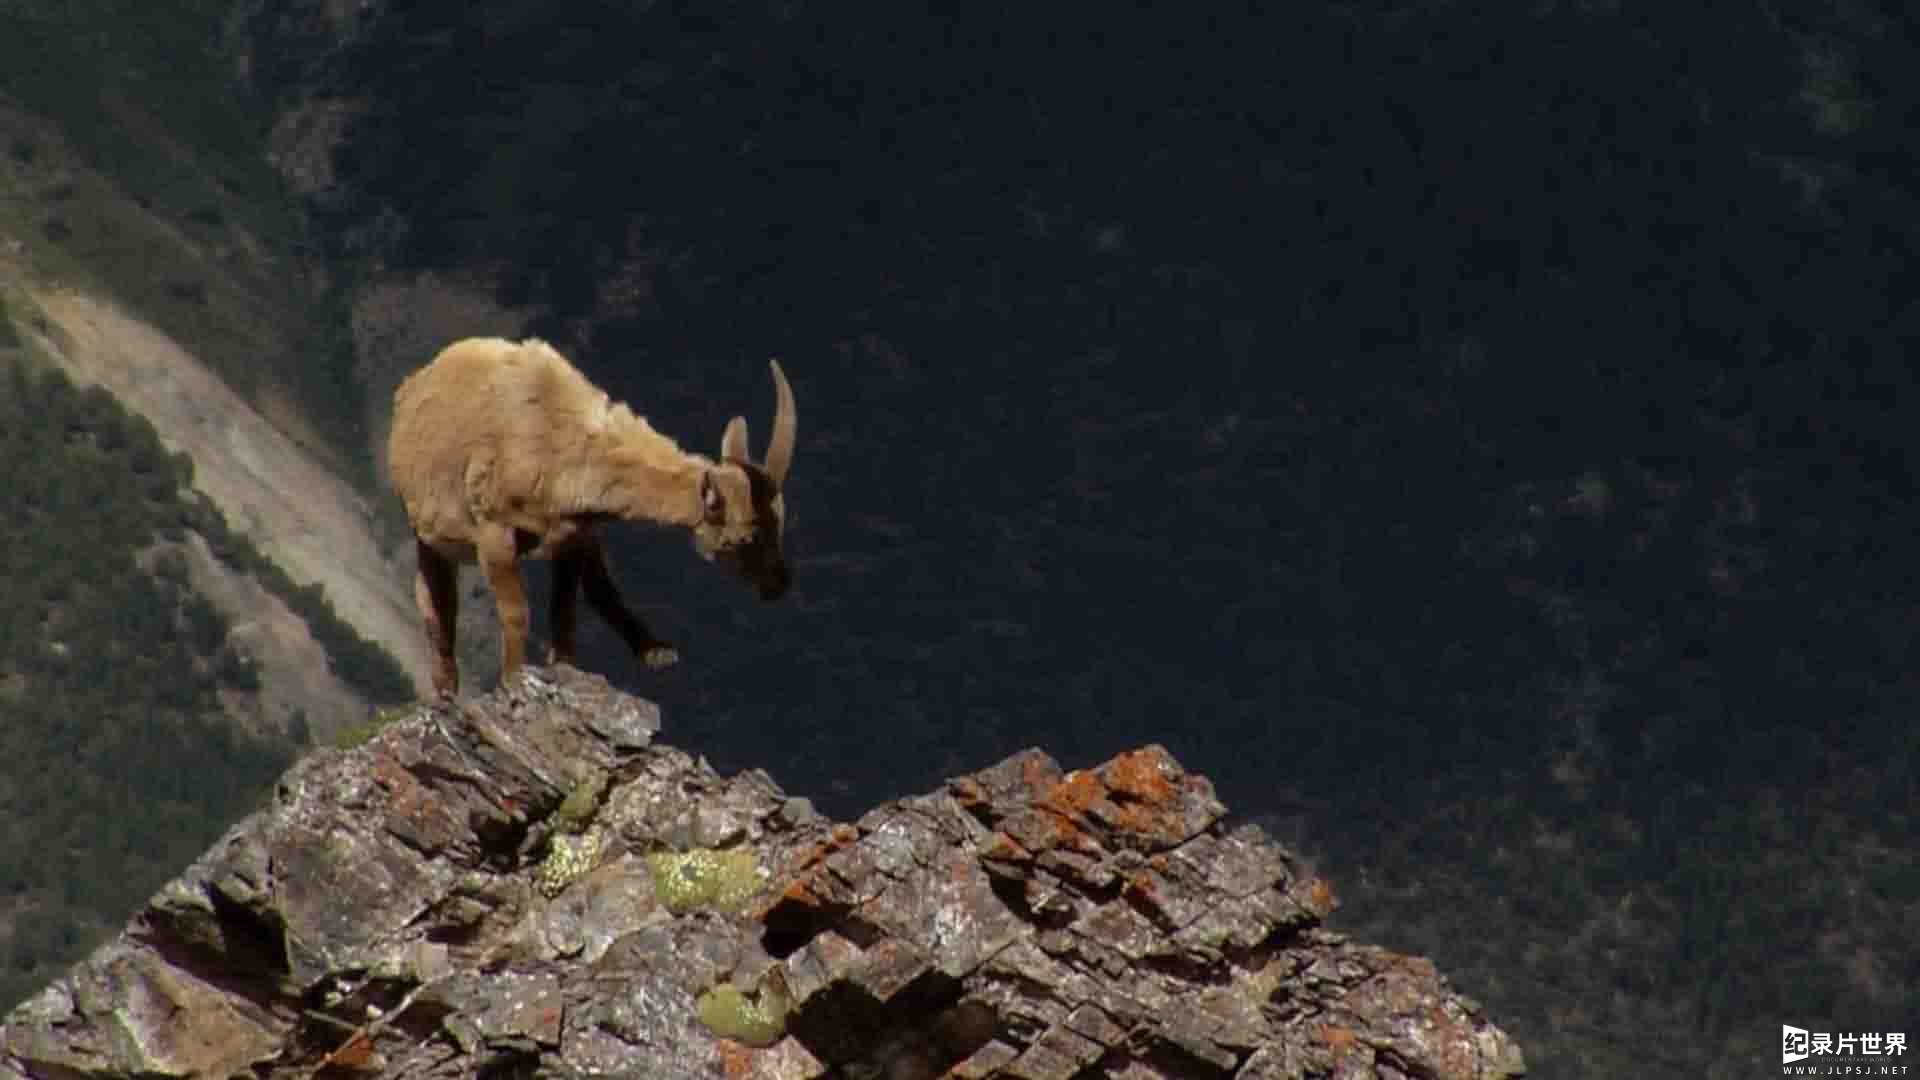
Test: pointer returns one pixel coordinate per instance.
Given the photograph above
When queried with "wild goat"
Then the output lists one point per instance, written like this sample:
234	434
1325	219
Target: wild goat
505	451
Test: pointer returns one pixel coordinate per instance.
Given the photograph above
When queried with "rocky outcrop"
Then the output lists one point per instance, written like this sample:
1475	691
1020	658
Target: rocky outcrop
529	883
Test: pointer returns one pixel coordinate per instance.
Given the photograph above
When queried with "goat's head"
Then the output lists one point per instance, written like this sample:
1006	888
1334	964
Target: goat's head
742	512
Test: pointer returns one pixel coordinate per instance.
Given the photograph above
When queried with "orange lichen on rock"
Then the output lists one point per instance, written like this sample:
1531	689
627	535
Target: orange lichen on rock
1341	1040
1146	887
1074	795
1004	848
1066	832
840	838
355	1054
1147	775
1039	773
413	804
806	884
736	1060
797	891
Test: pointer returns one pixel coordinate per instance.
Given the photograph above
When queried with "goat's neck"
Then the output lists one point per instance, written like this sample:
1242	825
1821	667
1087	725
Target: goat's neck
651	486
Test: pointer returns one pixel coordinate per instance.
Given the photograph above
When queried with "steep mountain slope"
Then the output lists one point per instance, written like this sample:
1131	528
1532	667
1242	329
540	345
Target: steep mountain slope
192	578
300	513
149	248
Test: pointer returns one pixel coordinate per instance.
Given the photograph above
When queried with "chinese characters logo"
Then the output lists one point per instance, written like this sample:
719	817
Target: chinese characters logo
1799	1044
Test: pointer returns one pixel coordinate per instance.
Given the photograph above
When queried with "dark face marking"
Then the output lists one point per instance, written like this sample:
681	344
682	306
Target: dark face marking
761	560
743	528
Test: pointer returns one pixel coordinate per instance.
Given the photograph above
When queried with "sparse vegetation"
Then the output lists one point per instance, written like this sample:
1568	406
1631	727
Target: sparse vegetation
358	662
164	199
117	765
376	722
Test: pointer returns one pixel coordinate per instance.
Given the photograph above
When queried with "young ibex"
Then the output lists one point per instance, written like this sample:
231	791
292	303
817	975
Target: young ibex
504	451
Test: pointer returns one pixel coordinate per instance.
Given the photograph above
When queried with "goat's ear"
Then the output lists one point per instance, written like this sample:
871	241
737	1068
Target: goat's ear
733	442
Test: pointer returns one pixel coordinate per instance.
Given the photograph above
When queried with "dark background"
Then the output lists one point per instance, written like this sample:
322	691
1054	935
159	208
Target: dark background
1477	436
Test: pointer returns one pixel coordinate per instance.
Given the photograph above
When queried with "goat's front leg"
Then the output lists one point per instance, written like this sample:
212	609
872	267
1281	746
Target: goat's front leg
605	598
434	591
500	561
563	606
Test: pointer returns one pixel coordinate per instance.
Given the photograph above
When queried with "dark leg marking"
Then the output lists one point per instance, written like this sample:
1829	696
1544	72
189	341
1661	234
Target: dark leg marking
605	599
438	598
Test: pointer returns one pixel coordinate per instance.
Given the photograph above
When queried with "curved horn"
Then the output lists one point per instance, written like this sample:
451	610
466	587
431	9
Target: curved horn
785	424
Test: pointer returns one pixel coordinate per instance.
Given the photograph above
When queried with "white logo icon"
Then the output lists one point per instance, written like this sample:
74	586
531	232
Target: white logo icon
1794	1043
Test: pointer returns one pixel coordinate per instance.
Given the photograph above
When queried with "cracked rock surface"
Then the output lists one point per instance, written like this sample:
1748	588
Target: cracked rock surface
420	906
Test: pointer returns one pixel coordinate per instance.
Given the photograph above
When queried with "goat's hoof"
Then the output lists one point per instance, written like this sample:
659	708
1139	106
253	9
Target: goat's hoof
659	656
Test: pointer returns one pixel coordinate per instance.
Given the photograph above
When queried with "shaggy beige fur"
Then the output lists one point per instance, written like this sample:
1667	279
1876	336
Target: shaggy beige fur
503	451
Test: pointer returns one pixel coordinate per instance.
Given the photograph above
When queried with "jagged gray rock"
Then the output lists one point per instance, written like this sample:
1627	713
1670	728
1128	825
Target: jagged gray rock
528	884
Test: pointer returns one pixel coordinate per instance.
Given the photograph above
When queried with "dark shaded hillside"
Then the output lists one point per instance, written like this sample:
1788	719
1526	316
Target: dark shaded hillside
1493	422
116	763
133	724
122	687
1318	293
171	205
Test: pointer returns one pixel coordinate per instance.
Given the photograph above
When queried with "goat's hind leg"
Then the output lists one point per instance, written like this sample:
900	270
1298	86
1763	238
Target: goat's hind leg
435	592
605	598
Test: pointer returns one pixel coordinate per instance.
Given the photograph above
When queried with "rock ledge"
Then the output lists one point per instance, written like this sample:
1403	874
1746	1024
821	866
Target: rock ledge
529	885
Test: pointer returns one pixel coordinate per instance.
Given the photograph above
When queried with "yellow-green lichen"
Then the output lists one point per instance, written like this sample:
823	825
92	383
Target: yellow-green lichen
569	858
355	734
580	804
757	1019
703	877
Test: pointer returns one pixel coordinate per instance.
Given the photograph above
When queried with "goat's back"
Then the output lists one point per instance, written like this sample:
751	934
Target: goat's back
486	420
